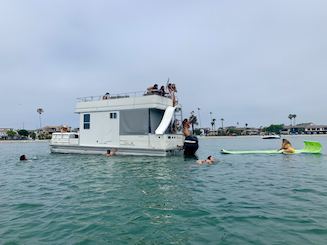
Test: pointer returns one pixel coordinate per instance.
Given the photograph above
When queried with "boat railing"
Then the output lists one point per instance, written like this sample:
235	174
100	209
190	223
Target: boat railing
115	96
110	96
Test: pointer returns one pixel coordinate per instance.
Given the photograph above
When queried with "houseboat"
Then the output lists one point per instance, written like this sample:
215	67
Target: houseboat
130	124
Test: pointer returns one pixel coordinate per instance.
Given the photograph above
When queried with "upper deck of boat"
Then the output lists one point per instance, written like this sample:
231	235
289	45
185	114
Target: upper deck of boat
122	101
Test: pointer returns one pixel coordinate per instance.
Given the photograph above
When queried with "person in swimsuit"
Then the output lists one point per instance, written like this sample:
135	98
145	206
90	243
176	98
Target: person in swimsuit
186	127
287	147
111	152
209	160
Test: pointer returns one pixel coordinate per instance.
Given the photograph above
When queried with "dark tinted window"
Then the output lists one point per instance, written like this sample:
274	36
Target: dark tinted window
87	121
113	115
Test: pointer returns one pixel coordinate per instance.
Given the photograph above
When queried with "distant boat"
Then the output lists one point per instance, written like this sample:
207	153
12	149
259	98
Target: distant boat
273	136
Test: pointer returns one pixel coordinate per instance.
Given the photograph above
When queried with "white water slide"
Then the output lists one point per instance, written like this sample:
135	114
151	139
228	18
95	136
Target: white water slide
168	116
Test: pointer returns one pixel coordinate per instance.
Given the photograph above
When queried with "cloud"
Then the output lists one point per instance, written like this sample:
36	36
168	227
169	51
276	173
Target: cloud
253	61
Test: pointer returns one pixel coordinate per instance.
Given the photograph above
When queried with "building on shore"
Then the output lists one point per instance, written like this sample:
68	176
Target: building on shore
3	133
305	128
233	131
55	129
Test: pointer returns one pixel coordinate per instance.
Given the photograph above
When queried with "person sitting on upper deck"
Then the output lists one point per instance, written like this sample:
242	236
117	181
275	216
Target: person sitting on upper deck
287	147
153	89
106	96
162	91
186	127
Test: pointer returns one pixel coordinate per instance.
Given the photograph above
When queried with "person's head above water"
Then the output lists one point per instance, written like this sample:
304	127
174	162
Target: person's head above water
111	152
211	158
23	158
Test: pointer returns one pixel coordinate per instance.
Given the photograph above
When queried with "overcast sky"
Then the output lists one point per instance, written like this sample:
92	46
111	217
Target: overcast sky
253	61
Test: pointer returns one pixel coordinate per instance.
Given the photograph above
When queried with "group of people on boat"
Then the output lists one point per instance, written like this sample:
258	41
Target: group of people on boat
169	91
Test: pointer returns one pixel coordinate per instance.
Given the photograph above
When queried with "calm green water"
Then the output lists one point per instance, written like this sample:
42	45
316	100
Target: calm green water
243	199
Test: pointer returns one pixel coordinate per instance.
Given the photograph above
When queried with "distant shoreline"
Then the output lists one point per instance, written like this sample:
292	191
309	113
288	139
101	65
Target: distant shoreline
23	141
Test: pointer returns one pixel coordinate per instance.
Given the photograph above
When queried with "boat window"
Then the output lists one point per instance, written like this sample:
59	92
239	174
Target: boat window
87	121
134	122
139	121
113	115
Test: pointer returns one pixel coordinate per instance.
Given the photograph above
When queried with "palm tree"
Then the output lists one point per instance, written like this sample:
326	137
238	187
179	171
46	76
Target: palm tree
213	124
246	127
40	111
290	116
193	120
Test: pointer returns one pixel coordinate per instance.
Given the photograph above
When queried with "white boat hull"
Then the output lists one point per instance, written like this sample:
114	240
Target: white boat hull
271	137
76	149
149	145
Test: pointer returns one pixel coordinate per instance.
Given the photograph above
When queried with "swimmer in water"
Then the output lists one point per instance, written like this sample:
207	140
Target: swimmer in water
209	160
111	152
23	158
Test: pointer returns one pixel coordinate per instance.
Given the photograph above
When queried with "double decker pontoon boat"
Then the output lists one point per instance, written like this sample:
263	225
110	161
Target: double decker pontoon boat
132	124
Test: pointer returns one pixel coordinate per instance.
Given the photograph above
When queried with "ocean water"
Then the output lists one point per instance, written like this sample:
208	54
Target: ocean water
86	199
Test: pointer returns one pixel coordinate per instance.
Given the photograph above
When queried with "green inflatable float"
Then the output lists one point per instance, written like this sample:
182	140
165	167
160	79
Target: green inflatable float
310	147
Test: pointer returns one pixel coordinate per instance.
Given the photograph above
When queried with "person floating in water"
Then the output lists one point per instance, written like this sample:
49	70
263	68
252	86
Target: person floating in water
287	147
111	153
209	160
23	158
